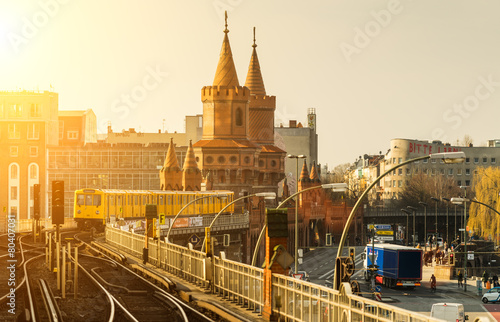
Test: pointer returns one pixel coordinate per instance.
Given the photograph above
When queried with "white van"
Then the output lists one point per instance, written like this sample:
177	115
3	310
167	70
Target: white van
449	312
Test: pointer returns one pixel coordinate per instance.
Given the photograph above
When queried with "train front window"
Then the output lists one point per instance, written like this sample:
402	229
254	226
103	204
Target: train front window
97	200
80	199
88	200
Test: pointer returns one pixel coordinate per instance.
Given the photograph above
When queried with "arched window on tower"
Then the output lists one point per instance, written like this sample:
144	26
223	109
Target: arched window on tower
239	117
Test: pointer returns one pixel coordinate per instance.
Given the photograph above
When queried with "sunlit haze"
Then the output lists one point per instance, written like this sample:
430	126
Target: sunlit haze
374	70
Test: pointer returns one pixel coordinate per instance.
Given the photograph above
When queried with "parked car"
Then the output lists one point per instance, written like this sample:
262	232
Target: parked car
493	295
449	312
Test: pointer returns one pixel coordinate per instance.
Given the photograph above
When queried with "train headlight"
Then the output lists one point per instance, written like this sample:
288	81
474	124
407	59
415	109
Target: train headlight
97	212
79	211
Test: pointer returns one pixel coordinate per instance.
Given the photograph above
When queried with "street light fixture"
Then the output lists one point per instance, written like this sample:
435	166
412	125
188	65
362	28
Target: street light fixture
407	212
414	210
436	200
447	217
336	187
266	195
447	157
296	157
425	221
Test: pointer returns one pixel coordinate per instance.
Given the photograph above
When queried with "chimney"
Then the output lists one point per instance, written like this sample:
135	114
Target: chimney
293	123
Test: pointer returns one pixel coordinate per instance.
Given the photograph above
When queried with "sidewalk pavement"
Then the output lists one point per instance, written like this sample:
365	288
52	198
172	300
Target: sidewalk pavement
452	285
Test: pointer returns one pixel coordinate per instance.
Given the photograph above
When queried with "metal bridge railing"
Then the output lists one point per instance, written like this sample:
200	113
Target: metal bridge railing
293	299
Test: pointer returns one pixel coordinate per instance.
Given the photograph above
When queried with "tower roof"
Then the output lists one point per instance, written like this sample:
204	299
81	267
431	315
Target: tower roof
190	161
171	158
314	173
304	175
254	79
226	72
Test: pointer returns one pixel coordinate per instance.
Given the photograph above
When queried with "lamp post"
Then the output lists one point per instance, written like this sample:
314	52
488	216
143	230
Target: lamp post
414	210
407	212
189	203
436	200
447	157
296	157
336	187
425	222
206	244
447	216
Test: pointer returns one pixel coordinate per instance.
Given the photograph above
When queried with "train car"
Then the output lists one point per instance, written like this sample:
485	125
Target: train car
96	207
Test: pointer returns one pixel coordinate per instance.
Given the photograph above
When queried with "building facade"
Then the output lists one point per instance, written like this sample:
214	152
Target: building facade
28	125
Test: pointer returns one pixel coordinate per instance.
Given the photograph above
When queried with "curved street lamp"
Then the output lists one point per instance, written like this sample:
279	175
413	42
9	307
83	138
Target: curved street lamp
447	218
336	187
189	203
436	200
296	157
407	212
425	221
266	195
414	210
447	157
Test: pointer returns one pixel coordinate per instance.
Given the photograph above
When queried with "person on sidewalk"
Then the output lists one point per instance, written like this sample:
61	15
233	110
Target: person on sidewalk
433	283
460	278
495	279
485	278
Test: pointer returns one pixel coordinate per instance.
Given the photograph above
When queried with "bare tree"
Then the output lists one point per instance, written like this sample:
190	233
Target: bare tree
467	140
422	187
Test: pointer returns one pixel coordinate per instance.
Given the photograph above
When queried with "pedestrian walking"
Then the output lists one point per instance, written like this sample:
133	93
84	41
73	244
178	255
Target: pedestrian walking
433	283
485	278
495	279
460	278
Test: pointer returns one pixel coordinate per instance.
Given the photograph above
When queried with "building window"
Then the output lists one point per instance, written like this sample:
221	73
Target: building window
433	171
400	171
33	132
441	171
15	110
13	193
450	172
72	135
408	171
400	160
467	183
35	110
400	183
426	171
14	131
425	161
239	117
476	160
459	172
485	160
467	160
221	159
493	160
394	160
433	161
459	182
14	151
33	171
467	172
394	183
33	151
13	171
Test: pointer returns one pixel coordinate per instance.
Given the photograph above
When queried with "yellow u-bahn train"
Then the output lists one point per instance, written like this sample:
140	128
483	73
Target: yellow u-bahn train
95	207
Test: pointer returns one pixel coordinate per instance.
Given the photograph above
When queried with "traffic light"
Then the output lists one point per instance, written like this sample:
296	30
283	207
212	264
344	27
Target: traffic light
226	240
452	259
352	253
328	239
57	202
36	201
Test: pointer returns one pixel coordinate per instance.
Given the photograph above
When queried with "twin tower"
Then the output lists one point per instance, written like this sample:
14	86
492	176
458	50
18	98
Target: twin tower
237	150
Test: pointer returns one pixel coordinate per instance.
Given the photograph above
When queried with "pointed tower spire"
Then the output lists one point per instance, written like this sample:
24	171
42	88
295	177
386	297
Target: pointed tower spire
304	175
226	72
171	158
314	173
170	174
254	79
190	160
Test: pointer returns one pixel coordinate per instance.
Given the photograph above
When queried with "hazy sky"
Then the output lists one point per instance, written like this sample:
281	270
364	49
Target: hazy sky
374	70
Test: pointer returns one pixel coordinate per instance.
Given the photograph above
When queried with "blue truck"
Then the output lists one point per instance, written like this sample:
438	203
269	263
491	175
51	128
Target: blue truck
397	265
